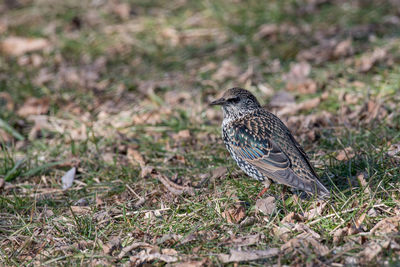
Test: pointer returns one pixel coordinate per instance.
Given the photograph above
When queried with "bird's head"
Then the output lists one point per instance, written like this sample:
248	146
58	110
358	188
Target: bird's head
237	102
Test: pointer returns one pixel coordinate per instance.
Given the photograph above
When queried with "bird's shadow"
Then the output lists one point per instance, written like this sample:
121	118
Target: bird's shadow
346	177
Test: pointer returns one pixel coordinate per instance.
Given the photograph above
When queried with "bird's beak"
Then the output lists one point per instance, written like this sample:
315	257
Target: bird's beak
220	101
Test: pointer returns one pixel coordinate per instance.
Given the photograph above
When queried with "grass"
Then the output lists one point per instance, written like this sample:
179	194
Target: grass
119	85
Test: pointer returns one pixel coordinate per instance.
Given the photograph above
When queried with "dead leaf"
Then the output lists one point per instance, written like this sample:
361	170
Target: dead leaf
226	70
108	157
306	241
181	135
298	72
316	211
250	255
112	245
266	30
339	234
386	226
266	205
235	214
134	157
6	100
219	172
284	230
372	250
68	178
367	61
17	46
345	154
343	49
80	210
133	246
145	256
292	218
306	105
360	220
242	241
175	188
191	263
361	179
169	251
281	99
4	136
306	87
394	149
34	106
122	10
2	182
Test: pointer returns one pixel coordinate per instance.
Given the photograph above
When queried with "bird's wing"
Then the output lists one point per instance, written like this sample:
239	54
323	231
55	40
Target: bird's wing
266	155
303	153
258	151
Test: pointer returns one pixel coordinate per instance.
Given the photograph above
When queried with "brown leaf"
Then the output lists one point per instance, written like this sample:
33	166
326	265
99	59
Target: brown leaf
306	87
367	61
266	30
5	99
284	230
2	182
181	135
360	220
219	172
226	70
394	149
387	225
234	214
316	211
266	205
305	241
147	256
343	49
298	72
112	245
251	255
122	10
292	218
175	188
134	156
247	240
345	154
16	46
373	249
4	136
361	179
169	251
339	234
133	246
306	105
191	263
80	209
281	99
34	106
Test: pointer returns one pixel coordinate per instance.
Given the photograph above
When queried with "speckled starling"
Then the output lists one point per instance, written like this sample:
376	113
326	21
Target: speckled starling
263	146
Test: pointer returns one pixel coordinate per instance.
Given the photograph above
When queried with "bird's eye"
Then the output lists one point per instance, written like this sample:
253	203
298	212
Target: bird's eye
233	100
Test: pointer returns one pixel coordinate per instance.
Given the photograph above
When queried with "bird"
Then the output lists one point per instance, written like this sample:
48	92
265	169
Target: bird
263	146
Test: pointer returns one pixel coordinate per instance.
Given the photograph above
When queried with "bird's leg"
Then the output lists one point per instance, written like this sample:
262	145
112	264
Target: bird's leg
266	184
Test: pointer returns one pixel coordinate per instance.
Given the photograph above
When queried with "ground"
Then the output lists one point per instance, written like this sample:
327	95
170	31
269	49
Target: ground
119	91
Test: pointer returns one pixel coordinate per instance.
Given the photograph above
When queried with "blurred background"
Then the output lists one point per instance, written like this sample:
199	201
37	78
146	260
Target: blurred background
119	89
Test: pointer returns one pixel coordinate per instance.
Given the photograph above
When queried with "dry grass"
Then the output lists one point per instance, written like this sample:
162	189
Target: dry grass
119	90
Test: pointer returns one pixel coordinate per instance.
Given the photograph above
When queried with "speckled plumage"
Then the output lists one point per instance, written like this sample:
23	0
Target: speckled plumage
263	146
